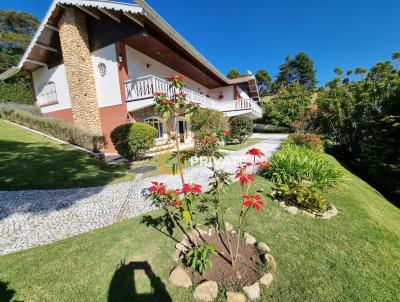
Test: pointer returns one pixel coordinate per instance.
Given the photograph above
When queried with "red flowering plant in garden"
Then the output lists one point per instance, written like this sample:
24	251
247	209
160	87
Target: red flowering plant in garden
180	203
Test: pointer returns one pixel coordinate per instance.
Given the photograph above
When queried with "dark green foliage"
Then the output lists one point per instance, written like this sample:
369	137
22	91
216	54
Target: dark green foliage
264	82
233	74
208	122
241	129
288	104
133	140
53	127
299	69
16	30
308	140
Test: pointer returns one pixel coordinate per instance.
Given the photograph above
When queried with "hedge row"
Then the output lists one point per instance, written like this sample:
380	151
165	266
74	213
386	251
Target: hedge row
56	128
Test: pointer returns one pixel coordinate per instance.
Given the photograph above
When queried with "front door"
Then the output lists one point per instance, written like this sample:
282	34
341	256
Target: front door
181	127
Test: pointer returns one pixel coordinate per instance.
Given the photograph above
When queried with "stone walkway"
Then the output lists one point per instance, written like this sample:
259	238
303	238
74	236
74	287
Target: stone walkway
37	217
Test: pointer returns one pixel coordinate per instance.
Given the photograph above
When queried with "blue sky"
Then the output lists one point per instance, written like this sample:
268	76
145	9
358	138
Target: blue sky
255	34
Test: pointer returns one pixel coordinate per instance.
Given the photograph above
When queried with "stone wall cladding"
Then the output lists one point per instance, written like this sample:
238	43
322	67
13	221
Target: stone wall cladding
79	70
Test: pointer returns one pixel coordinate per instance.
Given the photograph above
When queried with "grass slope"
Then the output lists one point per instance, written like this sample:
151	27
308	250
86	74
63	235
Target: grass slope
31	161
353	257
236	147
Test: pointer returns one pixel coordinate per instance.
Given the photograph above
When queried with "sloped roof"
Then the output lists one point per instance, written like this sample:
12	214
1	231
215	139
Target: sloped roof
139	8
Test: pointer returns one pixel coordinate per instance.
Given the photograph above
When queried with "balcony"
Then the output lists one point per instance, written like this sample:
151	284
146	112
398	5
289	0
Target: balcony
141	91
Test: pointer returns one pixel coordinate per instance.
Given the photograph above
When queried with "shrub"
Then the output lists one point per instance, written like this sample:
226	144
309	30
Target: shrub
293	164
18	106
53	127
304	196
241	129
308	140
133	140
208	122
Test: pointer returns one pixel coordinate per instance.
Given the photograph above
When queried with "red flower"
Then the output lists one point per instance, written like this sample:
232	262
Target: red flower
253	201
190	188
157	94
264	164
176	203
180	94
244	177
175	77
226	132
158	188
255	152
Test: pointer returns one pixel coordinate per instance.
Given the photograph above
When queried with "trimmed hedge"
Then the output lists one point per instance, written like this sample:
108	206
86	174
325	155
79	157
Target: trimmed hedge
308	140
53	127
133	140
241	129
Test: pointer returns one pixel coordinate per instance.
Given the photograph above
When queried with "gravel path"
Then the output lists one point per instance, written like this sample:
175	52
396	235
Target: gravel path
37	217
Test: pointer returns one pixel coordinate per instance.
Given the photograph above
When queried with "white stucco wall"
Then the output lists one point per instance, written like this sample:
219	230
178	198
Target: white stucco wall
227	92
58	76
107	86
137	68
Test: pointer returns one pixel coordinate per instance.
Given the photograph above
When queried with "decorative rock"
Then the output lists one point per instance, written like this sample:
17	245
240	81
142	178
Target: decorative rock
306	182
262	246
229	227
249	239
270	260
180	247
333	210
252	291
282	204
235	297
293	210
266	280
176	255
180	277
206	291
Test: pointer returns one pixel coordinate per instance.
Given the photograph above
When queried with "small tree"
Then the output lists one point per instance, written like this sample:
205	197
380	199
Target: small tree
241	129
233	74
208	121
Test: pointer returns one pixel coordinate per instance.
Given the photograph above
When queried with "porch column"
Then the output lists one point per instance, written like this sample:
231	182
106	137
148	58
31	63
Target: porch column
78	66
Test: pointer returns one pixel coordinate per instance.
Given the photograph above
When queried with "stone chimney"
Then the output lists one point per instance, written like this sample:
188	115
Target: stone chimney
79	70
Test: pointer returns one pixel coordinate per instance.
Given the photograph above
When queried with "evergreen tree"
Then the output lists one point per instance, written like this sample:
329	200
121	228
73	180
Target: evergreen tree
264	82
233	74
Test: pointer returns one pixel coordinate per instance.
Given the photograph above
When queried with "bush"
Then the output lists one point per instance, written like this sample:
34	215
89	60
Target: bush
241	129
133	140
18	106
295	164
56	128
208	122
307	197
308	140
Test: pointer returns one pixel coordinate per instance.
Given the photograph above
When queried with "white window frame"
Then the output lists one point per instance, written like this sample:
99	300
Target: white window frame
47	95
150	121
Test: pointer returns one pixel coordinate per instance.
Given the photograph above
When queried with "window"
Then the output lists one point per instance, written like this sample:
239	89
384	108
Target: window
47	95
157	123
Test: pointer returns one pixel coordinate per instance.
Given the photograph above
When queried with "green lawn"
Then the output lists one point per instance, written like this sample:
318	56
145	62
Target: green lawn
31	161
236	147
353	257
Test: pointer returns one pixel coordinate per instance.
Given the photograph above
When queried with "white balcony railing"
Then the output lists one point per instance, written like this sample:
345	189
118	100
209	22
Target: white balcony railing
145	87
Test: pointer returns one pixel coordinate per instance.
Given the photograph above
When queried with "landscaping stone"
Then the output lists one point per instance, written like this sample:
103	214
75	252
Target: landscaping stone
206	291
282	204
252	291
306	213
292	210
181	247
177	255
229	226
270	260
266	280
180	277
262	246
249	239
235	297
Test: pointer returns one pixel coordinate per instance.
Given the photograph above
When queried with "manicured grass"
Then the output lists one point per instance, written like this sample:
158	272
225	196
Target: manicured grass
31	161
236	147
353	257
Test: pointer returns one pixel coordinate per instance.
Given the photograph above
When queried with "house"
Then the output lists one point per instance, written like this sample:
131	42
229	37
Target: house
96	64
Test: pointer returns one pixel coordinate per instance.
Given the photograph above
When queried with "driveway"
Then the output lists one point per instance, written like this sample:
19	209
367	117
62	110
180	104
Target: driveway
37	217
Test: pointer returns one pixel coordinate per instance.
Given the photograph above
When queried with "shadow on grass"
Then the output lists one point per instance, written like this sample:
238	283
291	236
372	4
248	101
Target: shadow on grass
6	294
124	287
44	166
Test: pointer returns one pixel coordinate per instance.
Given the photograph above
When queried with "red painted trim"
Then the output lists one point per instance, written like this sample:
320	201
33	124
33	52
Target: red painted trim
123	76
64	115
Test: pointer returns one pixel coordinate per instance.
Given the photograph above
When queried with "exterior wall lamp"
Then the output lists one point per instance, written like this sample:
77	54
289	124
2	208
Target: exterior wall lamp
120	59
